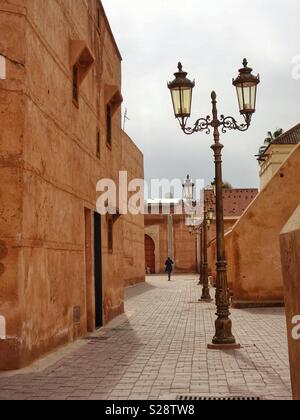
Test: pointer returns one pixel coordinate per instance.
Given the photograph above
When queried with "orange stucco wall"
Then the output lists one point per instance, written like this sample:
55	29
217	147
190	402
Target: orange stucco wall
212	254
290	257
133	225
49	169
252	246
185	247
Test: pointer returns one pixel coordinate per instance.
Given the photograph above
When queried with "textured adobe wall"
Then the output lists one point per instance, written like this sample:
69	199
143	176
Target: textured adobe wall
254	260
133	225
12	120
278	154
290	257
49	171
185	248
212	257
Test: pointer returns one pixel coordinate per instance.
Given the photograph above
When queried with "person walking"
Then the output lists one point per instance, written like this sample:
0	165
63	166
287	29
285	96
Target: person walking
169	267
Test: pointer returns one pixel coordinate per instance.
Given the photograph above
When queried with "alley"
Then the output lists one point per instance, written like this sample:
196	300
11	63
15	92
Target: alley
158	351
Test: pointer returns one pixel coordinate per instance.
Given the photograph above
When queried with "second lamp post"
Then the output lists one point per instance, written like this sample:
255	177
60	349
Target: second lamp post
199	227
181	90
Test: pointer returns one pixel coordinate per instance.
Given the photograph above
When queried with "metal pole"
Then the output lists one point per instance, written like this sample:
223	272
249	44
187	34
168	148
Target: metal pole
205	291
201	256
223	336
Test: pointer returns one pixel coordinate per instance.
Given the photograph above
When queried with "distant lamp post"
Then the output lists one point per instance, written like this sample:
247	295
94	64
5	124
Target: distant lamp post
210	215
199	227
181	90
188	189
194	226
205	291
214	187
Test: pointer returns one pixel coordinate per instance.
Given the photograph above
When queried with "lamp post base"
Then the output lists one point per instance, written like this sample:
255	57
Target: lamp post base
224	346
206	300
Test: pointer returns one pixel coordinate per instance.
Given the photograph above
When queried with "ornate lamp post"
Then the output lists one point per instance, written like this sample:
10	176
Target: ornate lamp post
188	189
201	255
199	227
188	194
181	90
195	228
205	291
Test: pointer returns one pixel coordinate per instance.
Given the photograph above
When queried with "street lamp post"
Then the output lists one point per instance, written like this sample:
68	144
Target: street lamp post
188	194
188	189
205	291
181	90
197	231
201	255
199	227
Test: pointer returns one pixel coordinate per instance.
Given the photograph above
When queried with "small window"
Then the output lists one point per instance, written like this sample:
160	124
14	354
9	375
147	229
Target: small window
108	125
98	144
75	85
110	233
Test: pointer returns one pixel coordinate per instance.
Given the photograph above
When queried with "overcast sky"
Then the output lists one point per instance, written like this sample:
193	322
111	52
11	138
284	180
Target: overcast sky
211	39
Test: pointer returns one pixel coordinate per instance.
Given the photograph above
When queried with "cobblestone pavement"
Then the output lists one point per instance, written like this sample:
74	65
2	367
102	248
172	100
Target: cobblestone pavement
158	351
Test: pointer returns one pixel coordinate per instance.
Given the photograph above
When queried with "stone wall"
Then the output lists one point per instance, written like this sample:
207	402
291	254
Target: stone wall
185	247
50	165
211	240
277	155
290	257
253	251
133	225
12	122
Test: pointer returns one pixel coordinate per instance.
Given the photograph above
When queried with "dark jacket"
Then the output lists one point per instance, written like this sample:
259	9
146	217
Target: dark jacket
169	266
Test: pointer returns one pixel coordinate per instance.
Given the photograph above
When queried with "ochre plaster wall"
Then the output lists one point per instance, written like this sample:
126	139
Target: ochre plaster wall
290	257
49	171
133	225
253	250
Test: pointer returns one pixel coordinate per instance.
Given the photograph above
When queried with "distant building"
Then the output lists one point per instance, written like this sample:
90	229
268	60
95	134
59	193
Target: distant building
273	156
167	234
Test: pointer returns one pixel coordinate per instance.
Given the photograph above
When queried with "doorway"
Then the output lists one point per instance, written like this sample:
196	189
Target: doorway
150	254
98	271
90	318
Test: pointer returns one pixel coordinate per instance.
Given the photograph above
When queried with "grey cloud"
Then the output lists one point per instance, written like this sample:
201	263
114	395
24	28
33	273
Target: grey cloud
211	39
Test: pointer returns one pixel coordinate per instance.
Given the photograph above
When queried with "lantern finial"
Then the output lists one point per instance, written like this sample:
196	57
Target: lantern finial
245	62
180	66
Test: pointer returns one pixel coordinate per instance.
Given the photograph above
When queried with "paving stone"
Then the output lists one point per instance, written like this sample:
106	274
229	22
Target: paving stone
162	350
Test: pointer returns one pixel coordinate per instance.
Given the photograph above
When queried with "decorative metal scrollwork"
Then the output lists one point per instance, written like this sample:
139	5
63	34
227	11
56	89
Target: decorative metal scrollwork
230	123
202	124
205	124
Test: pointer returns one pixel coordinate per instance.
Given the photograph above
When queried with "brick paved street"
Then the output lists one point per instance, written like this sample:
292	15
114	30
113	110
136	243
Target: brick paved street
158	351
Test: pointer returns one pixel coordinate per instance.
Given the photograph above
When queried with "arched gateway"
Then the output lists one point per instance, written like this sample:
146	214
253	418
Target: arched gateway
149	254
